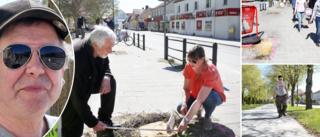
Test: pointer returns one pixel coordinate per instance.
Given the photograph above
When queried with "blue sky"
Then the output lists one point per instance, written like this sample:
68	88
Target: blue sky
315	78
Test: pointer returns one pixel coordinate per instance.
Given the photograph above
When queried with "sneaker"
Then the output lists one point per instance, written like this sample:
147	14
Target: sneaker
109	122
317	44
280	115
284	114
207	124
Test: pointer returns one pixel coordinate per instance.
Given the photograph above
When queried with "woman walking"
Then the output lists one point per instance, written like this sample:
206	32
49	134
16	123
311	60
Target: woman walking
316	12
299	10
202	87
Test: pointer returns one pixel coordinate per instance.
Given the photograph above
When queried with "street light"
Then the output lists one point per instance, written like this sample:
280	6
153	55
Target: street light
164	22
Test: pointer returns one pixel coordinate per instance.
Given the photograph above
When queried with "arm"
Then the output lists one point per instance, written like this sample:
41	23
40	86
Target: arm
274	91
313	12
202	96
185	96
295	9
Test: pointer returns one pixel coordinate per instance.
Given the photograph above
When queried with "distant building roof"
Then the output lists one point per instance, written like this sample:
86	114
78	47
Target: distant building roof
162	4
317	92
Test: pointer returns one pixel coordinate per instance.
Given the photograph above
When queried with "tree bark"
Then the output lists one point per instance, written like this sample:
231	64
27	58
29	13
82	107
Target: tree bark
292	93
308	87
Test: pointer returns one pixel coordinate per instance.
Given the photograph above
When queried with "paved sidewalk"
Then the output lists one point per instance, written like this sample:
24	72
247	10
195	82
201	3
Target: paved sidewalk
146	83
264	121
292	46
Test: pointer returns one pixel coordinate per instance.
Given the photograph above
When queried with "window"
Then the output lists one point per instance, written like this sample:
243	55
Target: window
178	9
225	2
208	4
187	7
177	25
196	5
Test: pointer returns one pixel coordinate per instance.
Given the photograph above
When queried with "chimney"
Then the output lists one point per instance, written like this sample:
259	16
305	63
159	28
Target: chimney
147	6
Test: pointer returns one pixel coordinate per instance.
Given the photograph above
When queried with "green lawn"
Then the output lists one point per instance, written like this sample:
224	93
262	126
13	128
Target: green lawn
251	106
308	118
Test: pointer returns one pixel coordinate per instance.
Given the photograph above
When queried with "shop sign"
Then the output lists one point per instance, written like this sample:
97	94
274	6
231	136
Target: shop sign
173	25
172	18
199	24
233	11
220	12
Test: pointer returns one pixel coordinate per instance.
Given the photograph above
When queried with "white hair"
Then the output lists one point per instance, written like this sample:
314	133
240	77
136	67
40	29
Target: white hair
100	34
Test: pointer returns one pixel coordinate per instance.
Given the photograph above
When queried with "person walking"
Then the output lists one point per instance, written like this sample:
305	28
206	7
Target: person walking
316	12
281	97
82	24
294	8
110	23
299	10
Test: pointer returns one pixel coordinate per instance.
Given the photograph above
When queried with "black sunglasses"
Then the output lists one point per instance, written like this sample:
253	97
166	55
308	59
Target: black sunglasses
17	55
193	61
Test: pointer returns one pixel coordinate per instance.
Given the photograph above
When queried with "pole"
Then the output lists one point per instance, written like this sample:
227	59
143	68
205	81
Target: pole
144	42
184	52
113	13
166	48
214	53
164	21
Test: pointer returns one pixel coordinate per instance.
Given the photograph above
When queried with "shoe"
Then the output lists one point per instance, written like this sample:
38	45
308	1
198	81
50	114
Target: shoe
207	124
284	114
317	44
109	122
280	115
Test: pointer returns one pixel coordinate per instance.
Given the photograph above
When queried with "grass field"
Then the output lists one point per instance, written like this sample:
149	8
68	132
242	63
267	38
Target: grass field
310	119
251	106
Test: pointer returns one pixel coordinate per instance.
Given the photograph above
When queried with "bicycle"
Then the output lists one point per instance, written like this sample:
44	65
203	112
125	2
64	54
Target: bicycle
123	36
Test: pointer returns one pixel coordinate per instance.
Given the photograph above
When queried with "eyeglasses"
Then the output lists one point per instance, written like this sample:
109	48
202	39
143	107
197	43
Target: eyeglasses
17	55
193	61
280	78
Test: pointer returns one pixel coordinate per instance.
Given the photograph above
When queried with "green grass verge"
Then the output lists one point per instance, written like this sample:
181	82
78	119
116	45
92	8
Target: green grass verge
251	106
310	119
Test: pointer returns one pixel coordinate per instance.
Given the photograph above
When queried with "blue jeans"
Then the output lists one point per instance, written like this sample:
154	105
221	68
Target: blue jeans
213	100
318	30
300	16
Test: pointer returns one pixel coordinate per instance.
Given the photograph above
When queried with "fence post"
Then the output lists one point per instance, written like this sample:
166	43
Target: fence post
138	40
184	52
144	42
134	41
260	7
214	53
166	48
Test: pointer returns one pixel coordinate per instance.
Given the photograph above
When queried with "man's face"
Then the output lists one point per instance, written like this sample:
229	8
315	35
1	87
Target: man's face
105	49
280	79
83	14
33	88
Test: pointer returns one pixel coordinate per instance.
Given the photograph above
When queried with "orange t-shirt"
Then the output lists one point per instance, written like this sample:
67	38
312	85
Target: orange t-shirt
209	78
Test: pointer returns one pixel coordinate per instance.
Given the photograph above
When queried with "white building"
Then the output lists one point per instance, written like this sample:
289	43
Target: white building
316	96
211	18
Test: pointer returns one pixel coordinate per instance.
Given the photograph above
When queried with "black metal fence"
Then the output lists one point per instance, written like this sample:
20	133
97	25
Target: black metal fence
139	40
263	6
184	50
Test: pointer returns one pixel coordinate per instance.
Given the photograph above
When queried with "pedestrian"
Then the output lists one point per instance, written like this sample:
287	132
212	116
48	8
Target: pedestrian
316	13
110	23
299	10
82	25
92	75
281	91
294	7
202	87
312	3
32	64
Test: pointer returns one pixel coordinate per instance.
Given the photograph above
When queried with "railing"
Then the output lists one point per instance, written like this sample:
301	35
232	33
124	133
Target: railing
184	50
138	44
263	6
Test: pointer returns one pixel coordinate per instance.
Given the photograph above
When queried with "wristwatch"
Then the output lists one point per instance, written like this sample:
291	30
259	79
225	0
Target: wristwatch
186	119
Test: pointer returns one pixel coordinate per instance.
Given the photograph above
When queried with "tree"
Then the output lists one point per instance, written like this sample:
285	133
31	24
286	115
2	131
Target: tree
93	8
309	86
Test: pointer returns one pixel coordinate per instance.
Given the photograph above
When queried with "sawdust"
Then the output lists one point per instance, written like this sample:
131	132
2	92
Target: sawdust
262	49
156	125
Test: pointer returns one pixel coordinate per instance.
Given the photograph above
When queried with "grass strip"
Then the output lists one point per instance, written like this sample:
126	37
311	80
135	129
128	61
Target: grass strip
251	106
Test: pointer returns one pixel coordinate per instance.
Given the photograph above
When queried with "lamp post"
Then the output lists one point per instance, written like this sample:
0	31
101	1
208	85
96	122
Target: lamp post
164	22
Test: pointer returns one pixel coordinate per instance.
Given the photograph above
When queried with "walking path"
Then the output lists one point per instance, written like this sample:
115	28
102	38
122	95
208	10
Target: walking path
291	46
264	121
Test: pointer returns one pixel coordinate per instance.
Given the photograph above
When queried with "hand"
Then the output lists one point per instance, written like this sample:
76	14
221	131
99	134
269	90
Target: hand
82	27
105	85
310	21
294	13
287	96
184	109
100	126
274	98
183	125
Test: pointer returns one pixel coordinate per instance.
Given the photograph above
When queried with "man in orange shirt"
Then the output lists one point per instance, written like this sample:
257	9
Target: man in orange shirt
202	86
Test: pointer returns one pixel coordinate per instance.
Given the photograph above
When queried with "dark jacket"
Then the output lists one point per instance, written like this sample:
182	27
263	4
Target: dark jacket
110	24
80	22
88	76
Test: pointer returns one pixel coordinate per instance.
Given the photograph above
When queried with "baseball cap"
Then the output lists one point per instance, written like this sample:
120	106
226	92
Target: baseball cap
20	9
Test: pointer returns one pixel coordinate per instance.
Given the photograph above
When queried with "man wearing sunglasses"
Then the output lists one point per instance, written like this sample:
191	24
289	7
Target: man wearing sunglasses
31	67
92	75
281	97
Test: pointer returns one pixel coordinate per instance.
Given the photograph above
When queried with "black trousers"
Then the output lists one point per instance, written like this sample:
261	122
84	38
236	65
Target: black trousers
281	102
72	125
